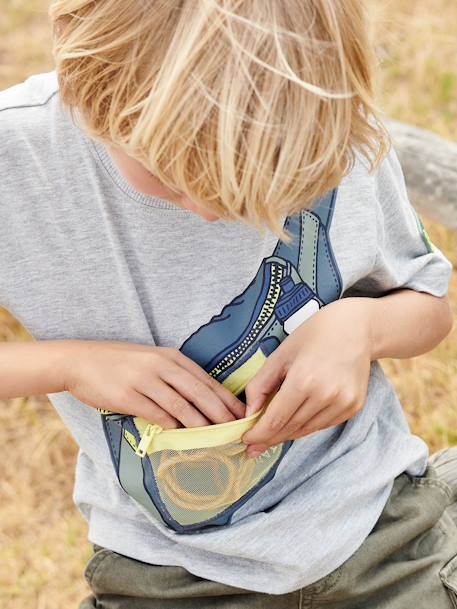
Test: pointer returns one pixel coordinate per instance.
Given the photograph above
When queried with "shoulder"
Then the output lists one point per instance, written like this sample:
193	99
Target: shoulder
356	201
26	110
38	143
373	187
36	90
366	197
37	135
366	203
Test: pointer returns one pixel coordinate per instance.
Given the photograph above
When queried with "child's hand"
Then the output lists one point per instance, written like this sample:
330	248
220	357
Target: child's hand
322	370
159	384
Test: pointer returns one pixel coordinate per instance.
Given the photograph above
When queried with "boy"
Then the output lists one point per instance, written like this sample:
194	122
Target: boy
148	294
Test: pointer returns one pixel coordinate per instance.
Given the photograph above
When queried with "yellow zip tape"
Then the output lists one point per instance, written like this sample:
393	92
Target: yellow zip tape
154	438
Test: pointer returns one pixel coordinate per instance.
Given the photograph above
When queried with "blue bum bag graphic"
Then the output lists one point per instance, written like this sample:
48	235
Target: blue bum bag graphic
195	479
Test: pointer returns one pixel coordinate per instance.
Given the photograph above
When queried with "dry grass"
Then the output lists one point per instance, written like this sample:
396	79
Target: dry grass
43	542
419	85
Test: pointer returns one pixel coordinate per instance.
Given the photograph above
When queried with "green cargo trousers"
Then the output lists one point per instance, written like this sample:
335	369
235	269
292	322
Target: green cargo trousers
408	561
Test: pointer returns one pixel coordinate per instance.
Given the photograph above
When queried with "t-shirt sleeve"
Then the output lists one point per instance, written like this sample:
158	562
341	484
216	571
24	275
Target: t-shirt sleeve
403	256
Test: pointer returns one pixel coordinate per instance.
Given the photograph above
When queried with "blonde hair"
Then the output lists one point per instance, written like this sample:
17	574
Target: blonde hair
252	108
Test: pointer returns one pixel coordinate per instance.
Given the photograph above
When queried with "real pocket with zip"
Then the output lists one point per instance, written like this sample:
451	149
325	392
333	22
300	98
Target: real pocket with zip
189	478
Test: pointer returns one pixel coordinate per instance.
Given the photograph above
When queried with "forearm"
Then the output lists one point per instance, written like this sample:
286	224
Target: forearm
31	368
407	323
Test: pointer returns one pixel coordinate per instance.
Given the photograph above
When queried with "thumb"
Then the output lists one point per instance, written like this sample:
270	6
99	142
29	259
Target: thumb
267	380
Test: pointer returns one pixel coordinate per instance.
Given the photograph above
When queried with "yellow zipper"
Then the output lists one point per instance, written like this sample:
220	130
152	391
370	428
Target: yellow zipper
154	438
146	439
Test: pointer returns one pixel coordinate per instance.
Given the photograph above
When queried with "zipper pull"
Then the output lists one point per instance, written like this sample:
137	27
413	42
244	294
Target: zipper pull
148	435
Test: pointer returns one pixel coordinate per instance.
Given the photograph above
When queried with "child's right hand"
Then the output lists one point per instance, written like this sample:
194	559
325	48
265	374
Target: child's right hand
159	384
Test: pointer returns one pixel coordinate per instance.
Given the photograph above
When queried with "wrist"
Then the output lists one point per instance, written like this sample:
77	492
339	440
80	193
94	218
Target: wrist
64	361
32	367
375	327
363	315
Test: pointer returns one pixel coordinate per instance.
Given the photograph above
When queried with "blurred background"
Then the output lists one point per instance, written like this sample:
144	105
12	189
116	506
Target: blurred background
43	537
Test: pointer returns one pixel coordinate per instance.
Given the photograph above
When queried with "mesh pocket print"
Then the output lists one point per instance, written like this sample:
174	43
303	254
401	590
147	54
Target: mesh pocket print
189	478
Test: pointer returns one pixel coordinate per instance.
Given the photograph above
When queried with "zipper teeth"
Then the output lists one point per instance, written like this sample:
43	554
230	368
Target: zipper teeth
274	290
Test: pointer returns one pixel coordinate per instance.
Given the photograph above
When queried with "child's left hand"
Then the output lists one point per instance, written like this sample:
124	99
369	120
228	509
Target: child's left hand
321	371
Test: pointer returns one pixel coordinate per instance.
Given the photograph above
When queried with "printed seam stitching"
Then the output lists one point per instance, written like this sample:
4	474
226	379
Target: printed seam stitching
317	223
329	259
36	105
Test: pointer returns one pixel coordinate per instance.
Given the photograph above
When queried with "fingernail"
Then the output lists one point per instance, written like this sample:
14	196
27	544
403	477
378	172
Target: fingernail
244	439
256	452
253	406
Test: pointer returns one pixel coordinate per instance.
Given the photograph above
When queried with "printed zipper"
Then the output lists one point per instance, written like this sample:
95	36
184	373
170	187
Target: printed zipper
274	290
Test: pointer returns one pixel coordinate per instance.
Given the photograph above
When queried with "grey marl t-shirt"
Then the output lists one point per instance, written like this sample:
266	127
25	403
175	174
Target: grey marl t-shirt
86	256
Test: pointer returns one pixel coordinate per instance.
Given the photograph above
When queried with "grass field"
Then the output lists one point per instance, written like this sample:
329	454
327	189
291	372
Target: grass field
43	538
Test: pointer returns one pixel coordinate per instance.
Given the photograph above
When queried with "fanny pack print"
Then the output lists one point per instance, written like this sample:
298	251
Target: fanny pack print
189	477
195	479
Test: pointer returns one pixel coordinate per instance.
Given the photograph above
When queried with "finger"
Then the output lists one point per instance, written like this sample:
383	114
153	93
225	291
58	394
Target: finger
147	409
174	403
198	392
236	406
328	417
309	409
256	451
288	432
277	414
295	433
232	402
318	401
265	382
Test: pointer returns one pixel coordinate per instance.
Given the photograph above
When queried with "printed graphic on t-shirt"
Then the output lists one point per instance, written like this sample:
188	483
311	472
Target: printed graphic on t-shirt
290	286
424	234
202	486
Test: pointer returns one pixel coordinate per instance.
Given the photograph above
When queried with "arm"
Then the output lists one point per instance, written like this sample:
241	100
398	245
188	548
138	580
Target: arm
31	368
159	384
320	372
406	323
